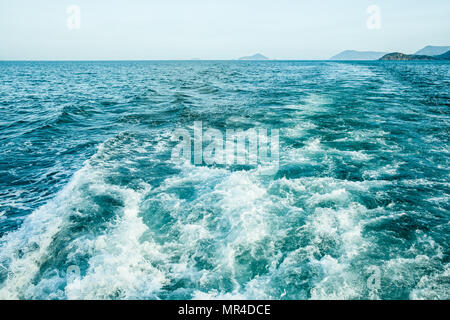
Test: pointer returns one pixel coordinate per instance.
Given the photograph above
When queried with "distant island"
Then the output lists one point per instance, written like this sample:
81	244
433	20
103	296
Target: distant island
256	56
445	56
433	50
397	56
425	54
358	55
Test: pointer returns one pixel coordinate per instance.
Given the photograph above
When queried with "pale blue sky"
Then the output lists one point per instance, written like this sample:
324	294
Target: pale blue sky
208	29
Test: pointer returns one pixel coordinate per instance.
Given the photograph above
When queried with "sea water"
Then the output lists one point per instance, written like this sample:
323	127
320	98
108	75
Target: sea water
92	204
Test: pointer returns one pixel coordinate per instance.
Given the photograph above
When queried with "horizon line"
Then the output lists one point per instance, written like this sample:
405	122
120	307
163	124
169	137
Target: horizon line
143	60
113	60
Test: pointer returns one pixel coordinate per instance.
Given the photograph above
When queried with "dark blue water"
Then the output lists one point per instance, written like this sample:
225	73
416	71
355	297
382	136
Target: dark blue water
93	206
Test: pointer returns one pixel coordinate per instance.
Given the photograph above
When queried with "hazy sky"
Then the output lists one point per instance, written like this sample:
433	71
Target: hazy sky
208	29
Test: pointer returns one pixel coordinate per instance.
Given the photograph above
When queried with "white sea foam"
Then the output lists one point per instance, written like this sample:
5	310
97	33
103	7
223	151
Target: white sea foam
117	265
205	232
34	238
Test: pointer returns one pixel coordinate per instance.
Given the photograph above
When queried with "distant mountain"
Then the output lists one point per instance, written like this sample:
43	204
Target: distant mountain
358	55
445	56
433	50
397	56
257	56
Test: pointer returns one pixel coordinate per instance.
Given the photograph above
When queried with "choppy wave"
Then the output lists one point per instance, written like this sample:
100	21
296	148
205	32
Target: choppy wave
361	191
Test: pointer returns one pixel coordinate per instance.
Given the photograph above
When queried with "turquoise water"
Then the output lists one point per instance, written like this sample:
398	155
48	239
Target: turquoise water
93	206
